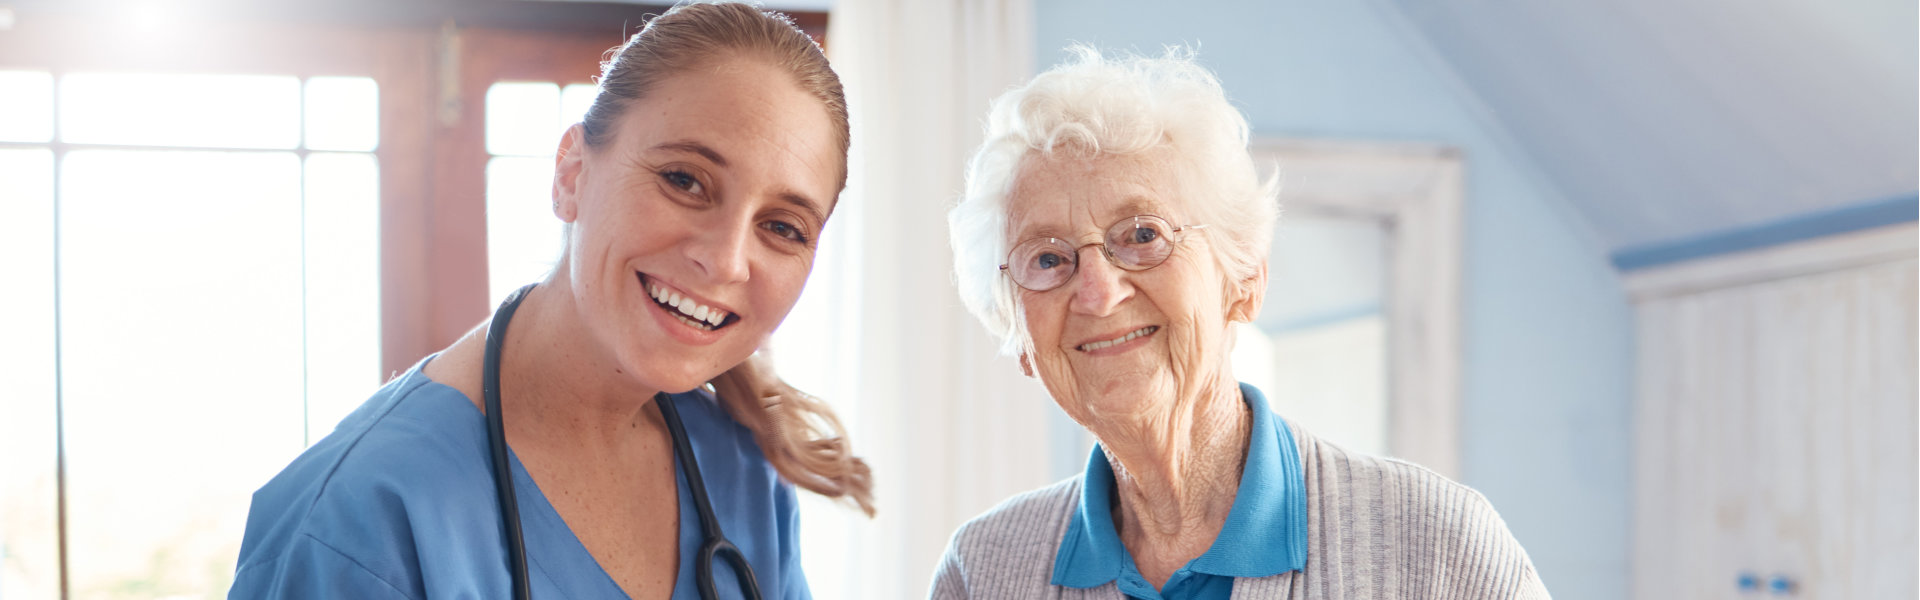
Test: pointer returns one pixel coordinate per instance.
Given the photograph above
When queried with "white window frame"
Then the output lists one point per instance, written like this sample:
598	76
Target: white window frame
1417	192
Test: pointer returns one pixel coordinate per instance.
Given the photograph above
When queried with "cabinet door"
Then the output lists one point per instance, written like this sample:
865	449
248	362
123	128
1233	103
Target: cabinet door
1777	437
1841	511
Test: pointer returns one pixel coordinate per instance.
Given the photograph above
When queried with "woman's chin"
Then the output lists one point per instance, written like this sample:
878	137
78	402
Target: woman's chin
1125	399
672	375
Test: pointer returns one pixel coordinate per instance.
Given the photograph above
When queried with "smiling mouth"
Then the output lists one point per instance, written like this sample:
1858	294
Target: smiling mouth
692	313
1137	333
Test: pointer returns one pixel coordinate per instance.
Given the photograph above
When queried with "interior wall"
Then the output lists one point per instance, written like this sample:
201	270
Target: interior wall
1548	329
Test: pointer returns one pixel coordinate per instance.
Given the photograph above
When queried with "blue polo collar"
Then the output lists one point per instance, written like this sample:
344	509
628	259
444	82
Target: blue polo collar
1265	533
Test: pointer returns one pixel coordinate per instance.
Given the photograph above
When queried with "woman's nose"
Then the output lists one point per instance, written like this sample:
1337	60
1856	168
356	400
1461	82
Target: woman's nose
1099	286
720	253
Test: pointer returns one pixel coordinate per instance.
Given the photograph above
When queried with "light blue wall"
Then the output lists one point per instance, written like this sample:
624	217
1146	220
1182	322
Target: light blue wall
1549	332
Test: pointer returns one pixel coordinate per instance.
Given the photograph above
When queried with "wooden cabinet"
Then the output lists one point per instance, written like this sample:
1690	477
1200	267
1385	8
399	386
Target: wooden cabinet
1776	435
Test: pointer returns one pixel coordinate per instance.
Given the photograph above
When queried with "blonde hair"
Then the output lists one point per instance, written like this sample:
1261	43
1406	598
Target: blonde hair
1094	105
798	433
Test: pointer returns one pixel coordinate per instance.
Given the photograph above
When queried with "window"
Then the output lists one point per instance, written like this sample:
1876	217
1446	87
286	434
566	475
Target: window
1319	347
217	244
524	124
193	275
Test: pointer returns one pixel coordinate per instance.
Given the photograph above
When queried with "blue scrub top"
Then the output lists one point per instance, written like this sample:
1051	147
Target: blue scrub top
1265	533
399	502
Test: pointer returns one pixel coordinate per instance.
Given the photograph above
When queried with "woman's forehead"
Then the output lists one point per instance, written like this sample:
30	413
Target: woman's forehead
749	114
1063	196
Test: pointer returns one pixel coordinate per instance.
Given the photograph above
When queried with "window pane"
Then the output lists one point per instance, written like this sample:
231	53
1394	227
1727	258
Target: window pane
574	100
1332	380
520	119
28	539
26	106
523	235
181	360
228	111
343	287
1319	346
343	113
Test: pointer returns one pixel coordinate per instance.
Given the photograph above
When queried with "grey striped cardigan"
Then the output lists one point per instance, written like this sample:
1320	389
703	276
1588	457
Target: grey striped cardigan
1376	528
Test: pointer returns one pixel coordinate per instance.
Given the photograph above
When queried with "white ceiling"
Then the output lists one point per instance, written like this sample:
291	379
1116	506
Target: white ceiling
1664	120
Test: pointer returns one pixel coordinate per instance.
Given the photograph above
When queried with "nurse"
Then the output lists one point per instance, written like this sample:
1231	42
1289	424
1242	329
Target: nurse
694	193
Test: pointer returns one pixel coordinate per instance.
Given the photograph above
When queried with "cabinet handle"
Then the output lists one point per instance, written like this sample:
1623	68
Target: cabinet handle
1781	585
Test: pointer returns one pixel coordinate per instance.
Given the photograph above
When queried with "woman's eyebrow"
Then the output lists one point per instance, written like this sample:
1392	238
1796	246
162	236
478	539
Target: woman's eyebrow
693	147
806	204
1137	204
1028	230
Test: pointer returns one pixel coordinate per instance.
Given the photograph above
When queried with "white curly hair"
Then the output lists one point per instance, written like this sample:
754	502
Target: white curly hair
1094	105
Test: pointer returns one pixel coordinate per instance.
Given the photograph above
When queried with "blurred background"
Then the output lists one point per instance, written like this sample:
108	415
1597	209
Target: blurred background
1643	273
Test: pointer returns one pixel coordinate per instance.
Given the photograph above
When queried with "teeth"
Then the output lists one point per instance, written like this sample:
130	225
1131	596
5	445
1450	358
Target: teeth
692	313
1119	340
693	324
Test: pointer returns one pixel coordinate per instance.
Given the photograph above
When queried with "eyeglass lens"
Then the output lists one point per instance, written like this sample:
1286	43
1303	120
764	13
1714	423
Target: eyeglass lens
1134	244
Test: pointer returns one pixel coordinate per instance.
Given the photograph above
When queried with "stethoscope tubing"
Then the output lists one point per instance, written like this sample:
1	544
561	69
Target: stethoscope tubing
497	444
715	543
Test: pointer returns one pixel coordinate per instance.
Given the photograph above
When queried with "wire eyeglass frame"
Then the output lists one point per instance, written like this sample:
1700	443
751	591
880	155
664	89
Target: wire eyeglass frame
1127	258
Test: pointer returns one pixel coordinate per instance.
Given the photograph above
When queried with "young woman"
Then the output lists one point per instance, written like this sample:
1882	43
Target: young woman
637	431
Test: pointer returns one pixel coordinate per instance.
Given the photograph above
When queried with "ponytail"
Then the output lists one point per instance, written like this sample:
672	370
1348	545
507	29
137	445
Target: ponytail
797	432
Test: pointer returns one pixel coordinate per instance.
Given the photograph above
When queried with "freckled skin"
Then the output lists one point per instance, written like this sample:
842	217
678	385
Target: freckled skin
627	218
588	348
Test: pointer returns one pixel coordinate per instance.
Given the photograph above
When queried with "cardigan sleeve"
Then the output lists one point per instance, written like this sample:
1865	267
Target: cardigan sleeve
1007	553
950	578
1488	561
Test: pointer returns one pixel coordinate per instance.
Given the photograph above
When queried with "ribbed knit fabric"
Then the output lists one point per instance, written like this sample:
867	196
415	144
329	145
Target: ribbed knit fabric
1376	528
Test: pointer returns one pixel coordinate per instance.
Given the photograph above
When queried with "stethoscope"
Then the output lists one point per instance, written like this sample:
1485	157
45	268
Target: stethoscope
716	544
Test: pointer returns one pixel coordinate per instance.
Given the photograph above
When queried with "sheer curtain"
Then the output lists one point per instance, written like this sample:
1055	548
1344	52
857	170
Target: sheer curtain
950	427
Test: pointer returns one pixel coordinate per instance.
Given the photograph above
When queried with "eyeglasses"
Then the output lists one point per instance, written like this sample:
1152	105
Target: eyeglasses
1135	244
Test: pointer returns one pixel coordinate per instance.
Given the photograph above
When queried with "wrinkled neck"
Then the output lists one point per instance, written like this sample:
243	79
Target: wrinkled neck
1175	475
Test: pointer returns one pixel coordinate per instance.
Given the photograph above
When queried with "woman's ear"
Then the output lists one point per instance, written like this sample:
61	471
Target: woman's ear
567	168
1026	364
1245	297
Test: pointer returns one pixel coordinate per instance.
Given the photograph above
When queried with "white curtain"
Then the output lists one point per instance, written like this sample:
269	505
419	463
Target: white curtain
950	427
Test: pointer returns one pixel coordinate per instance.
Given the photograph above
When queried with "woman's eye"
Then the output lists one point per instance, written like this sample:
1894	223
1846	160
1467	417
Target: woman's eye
1144	235
1049	260
786	230
682	180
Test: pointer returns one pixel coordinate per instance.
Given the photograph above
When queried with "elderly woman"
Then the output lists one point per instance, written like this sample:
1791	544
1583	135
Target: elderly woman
1113	229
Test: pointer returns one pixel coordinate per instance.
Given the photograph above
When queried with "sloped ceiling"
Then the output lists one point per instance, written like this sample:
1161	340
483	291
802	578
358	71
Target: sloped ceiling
1668	120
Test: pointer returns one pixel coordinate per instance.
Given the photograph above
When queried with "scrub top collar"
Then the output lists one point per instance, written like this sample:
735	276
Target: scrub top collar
1265	533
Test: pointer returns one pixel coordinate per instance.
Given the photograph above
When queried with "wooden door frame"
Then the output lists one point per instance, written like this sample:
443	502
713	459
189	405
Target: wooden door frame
468	62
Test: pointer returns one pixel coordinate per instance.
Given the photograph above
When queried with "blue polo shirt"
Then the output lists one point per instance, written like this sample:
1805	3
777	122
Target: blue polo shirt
1265	533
